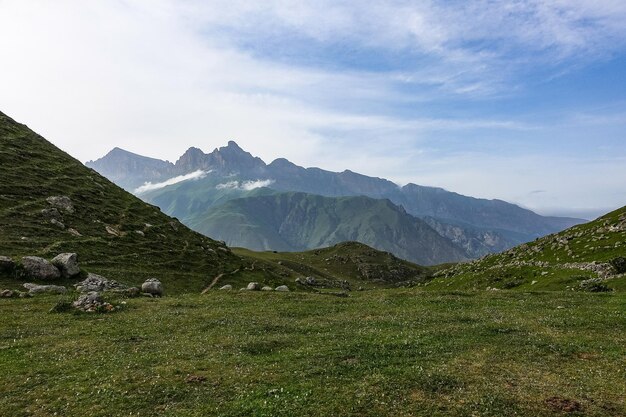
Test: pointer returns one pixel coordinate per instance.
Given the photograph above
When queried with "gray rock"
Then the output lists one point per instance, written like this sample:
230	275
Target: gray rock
253	286
266	288
39	268
227	287
152	286
57	223
67	264
51	213
6	264
310	281
34	289
61	202
6	294
98	283
282	288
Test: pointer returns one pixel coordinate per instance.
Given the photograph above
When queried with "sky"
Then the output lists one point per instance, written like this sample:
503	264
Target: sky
521	100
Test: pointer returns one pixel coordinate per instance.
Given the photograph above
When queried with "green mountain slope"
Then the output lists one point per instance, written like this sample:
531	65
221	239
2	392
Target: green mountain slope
588	256
353	262
299	221
114	233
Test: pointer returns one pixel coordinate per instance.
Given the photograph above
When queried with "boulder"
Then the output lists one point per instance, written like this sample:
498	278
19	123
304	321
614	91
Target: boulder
6	294
227	287
6	264
61	202
34	289
152	286
67	264
39	268
266	288
98	283
253	286
282	288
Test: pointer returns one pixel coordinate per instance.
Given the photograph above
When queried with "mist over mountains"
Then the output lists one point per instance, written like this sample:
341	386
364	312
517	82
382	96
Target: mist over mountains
232	195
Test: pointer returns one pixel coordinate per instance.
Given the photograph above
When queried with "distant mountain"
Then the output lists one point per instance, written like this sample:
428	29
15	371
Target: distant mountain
129	170
300	221
587	257
479	226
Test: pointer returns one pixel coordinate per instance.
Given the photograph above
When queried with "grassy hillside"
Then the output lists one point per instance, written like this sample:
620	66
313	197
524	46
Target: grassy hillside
393	353
299	221
565	260
114	233
358	264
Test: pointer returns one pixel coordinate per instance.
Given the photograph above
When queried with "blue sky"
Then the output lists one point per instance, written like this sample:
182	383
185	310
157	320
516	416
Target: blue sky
522	100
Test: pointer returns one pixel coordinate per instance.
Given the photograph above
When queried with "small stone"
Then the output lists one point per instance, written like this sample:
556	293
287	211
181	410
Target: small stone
227	287
282	288
152	286
39	268
6	294
67	264
266	288
253	286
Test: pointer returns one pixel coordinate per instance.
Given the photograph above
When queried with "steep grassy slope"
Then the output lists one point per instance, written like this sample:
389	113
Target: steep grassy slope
114	233
566	260
299	221
355	263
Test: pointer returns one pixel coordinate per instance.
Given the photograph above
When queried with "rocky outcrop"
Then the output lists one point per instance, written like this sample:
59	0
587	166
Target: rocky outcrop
67	263
35	289
39	268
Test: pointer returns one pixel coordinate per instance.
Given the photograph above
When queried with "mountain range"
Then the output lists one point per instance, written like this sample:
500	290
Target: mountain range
225	193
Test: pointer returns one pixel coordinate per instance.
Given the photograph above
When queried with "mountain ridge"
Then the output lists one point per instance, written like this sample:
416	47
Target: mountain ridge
473	223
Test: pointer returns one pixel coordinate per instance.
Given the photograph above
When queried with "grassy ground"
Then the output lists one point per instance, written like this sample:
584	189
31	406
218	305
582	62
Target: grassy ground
382	352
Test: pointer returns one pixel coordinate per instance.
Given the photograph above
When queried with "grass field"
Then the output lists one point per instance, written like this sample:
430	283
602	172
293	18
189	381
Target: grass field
377	353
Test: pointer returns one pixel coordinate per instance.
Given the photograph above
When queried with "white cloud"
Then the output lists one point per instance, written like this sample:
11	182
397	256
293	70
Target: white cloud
244	185
148	186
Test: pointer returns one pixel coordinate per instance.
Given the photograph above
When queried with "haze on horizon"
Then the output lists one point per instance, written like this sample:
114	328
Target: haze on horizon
523	101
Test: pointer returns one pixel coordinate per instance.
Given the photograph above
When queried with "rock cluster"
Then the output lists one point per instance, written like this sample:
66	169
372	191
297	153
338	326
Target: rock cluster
324	283
98	283
92	302
255	286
